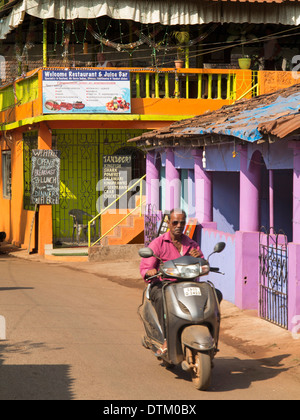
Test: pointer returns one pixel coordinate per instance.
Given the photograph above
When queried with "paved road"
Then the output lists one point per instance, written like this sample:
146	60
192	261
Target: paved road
74	335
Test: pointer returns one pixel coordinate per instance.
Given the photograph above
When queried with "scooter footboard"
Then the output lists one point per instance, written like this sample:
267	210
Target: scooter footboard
197	337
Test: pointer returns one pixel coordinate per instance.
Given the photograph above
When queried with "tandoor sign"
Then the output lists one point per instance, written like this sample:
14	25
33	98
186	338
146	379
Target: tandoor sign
116	175
45	176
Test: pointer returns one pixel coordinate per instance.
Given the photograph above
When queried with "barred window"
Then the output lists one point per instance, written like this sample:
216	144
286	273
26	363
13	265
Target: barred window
6	173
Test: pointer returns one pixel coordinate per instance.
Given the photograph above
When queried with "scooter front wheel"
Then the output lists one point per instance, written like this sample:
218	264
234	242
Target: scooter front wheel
201	372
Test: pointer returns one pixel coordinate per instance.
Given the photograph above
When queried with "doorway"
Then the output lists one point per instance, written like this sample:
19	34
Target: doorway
81	172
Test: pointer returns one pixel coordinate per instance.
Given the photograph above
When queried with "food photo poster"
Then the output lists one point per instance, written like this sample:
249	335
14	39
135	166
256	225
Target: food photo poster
86	91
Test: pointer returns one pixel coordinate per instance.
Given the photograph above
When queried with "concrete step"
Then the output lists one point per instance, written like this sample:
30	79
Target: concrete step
66	254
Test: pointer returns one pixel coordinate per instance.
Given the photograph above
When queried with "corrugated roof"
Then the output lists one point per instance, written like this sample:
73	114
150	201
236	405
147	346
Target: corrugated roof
256	1
253	1
276	115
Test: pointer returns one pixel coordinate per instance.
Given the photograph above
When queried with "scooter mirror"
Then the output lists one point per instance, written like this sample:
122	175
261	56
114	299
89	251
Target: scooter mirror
219	247
146	252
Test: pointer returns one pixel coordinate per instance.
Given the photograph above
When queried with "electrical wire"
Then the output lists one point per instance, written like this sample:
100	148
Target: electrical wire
214	47
221	47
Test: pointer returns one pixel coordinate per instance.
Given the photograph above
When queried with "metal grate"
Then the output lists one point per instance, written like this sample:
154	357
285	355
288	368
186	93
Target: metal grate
273	255
152	217
81	172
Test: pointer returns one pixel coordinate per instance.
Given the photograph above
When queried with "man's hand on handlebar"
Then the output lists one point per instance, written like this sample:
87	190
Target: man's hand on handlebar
195	253
151	273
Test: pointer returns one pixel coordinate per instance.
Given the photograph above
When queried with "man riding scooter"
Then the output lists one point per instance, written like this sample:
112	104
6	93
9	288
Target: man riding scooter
168	246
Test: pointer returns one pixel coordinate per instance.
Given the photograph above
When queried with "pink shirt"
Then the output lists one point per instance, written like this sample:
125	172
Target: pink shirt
163	247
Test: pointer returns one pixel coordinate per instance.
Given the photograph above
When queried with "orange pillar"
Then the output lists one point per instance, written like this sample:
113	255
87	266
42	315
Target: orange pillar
45	210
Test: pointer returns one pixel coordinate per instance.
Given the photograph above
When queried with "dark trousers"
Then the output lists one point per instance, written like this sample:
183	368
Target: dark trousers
156	298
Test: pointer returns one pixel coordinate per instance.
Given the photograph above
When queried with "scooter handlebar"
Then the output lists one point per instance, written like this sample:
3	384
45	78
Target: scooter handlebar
215	270
152	277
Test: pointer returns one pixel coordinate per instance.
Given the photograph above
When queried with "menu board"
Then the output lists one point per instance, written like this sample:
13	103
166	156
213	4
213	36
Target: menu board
75	91
116	175
45	176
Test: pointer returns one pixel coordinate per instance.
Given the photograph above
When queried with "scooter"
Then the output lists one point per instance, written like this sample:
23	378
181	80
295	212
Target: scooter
192	316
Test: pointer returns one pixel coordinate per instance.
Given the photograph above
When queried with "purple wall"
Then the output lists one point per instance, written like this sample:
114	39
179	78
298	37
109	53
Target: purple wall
225	261
231	198
226	187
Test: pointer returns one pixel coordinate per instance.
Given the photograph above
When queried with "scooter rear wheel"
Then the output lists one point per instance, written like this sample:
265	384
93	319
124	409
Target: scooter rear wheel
201	372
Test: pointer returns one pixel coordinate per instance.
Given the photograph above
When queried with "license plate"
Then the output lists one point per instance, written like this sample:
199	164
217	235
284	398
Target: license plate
192	291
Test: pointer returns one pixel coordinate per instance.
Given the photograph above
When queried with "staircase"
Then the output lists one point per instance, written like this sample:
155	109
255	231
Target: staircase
121	227
130	231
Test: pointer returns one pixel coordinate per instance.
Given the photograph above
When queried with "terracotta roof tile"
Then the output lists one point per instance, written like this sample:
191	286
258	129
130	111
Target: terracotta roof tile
256	1
250	120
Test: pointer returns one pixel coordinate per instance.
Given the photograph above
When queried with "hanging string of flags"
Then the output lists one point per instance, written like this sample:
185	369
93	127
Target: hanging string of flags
144	39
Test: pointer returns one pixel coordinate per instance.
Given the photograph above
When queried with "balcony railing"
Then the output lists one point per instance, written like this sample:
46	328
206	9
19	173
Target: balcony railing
3	3
189	83
23	97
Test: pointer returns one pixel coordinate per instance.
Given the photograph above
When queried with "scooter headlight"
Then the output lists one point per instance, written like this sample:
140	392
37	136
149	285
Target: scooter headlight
183	271
187	271
190	271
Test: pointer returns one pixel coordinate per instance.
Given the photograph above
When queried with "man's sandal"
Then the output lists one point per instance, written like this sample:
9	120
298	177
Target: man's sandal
162	352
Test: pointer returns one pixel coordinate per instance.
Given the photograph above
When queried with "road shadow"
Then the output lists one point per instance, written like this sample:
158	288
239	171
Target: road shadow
230	374
33	382
233	373
7	249
2	289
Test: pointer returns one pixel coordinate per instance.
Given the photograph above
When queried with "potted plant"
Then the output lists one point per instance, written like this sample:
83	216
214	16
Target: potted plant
244	61
182	38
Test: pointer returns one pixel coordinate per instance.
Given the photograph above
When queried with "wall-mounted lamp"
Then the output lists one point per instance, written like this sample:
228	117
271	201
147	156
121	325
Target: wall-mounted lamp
234	153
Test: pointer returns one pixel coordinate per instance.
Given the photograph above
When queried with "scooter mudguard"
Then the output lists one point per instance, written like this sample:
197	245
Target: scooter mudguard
197	337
